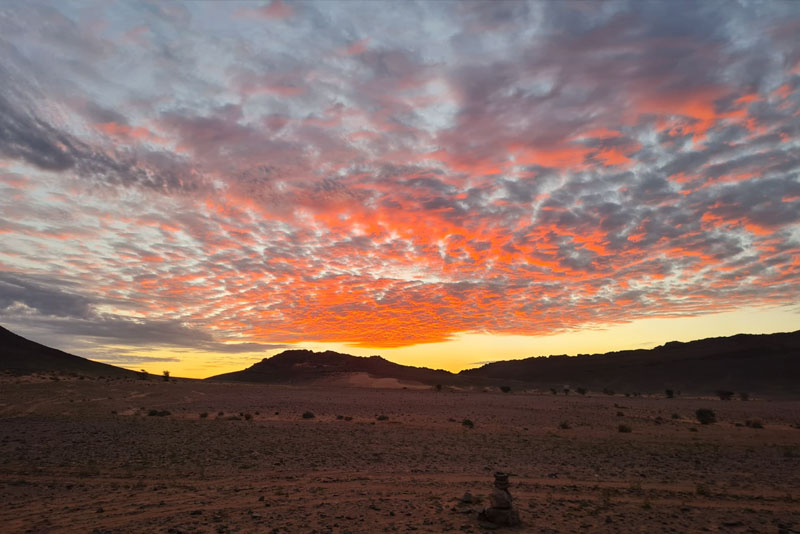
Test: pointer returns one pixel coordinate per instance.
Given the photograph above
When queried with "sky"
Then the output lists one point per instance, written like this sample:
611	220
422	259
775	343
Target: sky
195	186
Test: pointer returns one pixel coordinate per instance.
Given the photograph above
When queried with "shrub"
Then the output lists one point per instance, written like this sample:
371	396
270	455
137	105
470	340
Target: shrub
554	391
744	396
248	417
438	387
308	415
348	418
706	416
468	423
676	416
166	376
724	394
158	413
505	389
383	418
566	391
608	391
143	375
753	423
669	393
625	429
620	414
203	415
564	425
582	391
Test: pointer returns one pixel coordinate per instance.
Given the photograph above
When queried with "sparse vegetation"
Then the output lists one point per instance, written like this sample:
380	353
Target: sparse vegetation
468	423
308	415
625	429
706	416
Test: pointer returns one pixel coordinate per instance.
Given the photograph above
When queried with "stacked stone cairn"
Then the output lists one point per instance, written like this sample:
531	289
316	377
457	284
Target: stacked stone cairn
501	511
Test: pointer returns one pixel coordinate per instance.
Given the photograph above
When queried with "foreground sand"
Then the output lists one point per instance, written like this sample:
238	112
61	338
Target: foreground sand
84	456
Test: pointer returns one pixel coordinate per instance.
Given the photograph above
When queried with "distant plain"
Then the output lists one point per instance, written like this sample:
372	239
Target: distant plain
83	455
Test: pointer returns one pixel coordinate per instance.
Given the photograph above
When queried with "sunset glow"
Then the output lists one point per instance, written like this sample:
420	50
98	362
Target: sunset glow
195	186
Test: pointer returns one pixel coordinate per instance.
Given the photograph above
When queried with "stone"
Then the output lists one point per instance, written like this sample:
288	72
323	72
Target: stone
501	511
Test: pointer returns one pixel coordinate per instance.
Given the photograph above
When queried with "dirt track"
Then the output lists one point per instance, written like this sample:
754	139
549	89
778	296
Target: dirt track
68	464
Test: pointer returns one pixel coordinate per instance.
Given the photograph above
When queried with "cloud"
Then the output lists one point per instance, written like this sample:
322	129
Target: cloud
358	177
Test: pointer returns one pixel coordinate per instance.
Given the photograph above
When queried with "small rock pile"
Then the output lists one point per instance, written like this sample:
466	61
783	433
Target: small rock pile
501	511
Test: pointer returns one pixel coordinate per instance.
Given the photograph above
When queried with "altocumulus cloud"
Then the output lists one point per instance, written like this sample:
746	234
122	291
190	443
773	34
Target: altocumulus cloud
294	171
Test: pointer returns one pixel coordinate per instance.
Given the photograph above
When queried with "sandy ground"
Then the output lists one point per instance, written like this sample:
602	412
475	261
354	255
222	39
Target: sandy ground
85	456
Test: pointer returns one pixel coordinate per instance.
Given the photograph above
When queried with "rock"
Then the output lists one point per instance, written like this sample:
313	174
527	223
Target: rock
501	512
500	498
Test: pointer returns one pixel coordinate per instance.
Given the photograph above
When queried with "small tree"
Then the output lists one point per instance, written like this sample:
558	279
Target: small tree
143	375
166	376
706	416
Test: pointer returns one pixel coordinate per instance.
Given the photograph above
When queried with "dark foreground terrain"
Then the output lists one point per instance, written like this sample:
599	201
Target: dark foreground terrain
85	456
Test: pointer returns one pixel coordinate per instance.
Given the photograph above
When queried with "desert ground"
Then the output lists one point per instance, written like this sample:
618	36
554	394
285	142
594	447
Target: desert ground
86	456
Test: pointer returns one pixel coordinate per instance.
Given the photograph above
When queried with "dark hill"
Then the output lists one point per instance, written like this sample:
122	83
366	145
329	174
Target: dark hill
294	366
768	363
21	356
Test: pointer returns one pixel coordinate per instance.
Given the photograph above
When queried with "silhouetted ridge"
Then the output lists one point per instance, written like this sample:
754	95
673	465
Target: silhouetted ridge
305	365
22	356
744	362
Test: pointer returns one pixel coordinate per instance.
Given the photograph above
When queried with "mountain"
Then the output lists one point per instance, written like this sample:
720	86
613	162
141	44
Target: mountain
292	366
21	356
764	364
742	363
